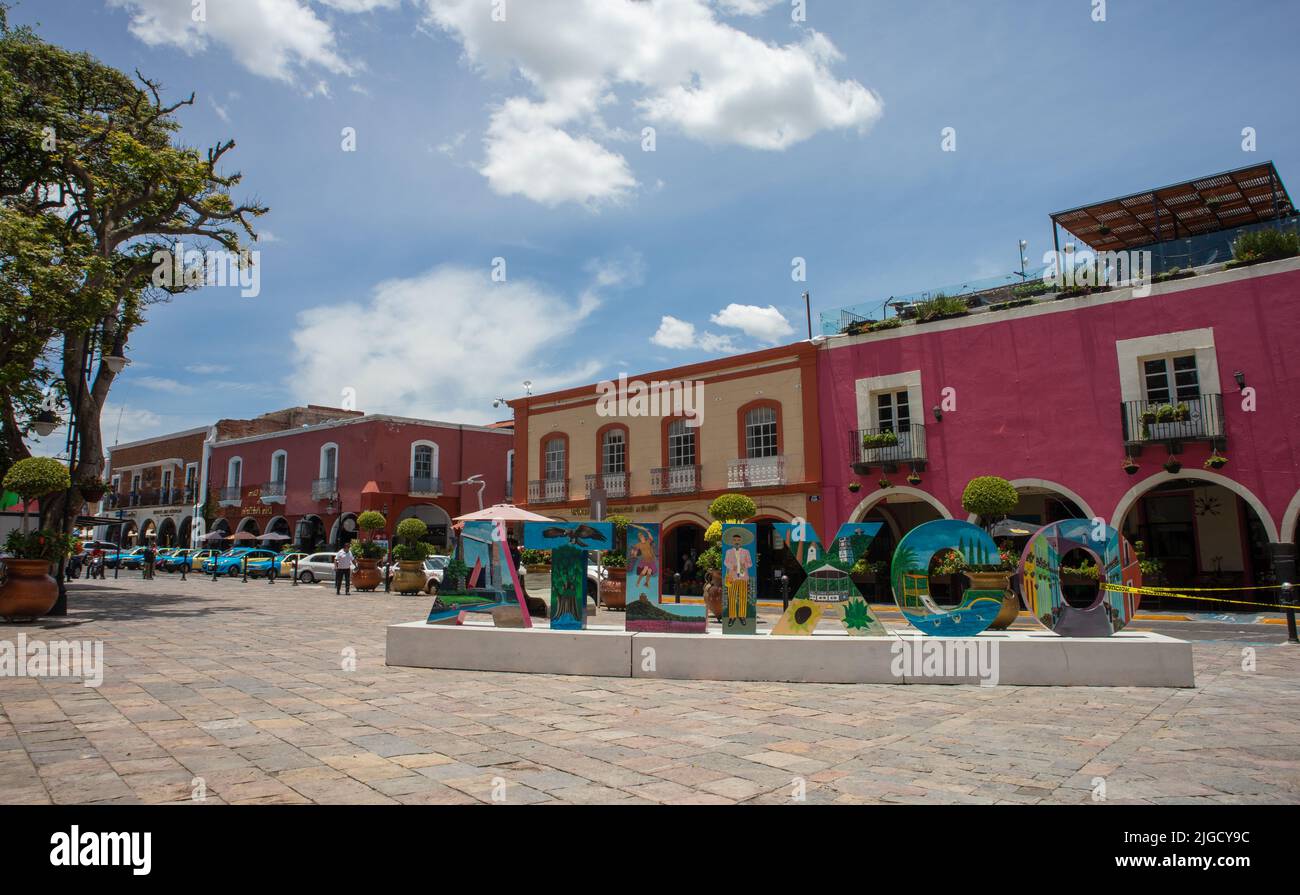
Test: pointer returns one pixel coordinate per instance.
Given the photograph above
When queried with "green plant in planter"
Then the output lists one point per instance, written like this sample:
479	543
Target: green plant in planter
888	323
1130	466
1265	245
914	479
614	559
411	533
1216	461
365	549
1173	465
989	497
888	438
371	522
884	482
50	546
530	557
941	307
710	560
732	507
855	487
35	477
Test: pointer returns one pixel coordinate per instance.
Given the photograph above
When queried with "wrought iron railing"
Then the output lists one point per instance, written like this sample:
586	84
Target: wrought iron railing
1194	419
614	483
230	493
548	491
887	446
273	490
421	484
324	489
756	472
674	479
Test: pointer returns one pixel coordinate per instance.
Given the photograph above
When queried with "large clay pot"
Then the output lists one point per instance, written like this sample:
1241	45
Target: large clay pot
613	590
713	595
29	591
1010	601
366	575
409	578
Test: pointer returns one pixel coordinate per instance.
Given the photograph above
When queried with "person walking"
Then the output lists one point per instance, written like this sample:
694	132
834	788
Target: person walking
149	556
343	571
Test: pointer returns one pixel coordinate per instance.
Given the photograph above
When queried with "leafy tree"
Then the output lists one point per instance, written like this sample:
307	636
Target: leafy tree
95	192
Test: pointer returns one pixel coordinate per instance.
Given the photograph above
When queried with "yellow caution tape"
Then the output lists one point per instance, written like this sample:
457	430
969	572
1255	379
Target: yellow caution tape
1163	592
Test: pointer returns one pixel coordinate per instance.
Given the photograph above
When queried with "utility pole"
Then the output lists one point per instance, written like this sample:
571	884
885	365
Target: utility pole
807	307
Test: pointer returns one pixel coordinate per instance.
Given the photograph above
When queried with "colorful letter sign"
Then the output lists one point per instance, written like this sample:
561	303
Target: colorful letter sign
739	579
910	575
1040	579
568	543
645	612
828	590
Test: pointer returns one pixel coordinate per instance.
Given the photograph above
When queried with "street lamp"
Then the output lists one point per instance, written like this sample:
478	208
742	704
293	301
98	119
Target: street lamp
476	480
45	423
116	360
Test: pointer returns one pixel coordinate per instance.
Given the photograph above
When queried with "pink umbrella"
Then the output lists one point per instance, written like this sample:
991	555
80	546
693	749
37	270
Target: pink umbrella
503	512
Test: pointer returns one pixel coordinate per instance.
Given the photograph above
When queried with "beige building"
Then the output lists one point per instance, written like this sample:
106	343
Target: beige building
663	445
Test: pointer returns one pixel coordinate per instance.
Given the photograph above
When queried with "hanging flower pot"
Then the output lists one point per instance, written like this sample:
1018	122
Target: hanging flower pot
914	479
1172	465
1130	466
884	482
855	487
1216	461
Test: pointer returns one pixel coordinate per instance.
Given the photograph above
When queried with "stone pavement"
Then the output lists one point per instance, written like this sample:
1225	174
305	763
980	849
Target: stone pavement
242	693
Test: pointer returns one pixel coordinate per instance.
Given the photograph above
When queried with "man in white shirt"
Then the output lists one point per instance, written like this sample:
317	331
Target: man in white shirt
343	571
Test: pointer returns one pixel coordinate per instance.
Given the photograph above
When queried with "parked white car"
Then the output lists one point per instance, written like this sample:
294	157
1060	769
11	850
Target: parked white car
316	567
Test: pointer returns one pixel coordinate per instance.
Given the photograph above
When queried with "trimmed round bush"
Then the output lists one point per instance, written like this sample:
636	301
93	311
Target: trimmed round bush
989	495
732	508
411	530
35	477
371	521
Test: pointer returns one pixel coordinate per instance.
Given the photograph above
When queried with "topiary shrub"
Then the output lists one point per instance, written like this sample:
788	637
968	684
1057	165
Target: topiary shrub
989	496
412	529
371	521
411	532
35	477
732	508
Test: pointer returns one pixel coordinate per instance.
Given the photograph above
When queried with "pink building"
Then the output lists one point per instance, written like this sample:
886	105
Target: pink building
1055	395
311	482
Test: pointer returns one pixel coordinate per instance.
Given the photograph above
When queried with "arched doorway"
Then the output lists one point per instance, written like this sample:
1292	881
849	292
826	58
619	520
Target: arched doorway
435	517
344	530
1043	502
682	542
899	509
774	557
167	533
280	526
148	531
130	533
309	534
185	532
1203	530
248	524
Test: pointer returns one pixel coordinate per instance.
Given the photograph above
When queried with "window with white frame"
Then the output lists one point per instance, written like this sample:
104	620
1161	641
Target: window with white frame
554	460
760	433
329	461
424	462
681	444
279	467
1170	379
234	472
613	452
191	477
510	472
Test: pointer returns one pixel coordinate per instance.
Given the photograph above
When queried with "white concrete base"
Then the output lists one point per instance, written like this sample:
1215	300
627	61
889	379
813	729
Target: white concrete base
1012	658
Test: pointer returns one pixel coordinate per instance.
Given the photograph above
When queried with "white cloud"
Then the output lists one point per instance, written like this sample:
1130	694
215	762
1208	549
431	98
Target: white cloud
363	5
768	325
440	345
746	7
207	369
272	38
681	334
685	68
160	384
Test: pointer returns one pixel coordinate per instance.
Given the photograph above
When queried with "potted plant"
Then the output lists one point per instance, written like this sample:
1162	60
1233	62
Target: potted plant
1131	466
888	438
613	588
989	498
1216	461
914	479
365	576
1173	465
410	554
884	482
92	488
855	487
29	591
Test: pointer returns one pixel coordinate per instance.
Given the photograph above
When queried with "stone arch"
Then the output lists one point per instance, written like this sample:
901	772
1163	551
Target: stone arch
1047	485
882	494
1133	494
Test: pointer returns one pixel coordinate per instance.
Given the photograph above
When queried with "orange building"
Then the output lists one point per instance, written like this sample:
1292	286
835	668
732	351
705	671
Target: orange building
661	446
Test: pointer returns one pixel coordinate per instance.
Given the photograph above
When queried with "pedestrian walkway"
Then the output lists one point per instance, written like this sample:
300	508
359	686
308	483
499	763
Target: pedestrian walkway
257	693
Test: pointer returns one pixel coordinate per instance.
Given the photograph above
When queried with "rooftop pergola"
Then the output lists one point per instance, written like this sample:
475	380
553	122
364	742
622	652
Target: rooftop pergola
1224	201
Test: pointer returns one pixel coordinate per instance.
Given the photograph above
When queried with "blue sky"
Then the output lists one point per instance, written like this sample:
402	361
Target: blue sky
522	140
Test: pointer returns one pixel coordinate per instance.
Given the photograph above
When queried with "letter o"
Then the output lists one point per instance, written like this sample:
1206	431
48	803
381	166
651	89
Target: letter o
1040	579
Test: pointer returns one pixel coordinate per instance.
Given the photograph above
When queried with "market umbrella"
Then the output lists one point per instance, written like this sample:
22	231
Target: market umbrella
217	535
244	536
504	512
274	536
1013	528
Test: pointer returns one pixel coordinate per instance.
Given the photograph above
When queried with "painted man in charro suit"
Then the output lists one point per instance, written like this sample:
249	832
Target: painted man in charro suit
737	563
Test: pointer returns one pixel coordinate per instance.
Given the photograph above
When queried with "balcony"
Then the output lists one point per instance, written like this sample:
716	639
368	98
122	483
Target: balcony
1196	419
675	480
547	491
887	448
756	472
229	496
324	489
614	483
425	486
273	492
